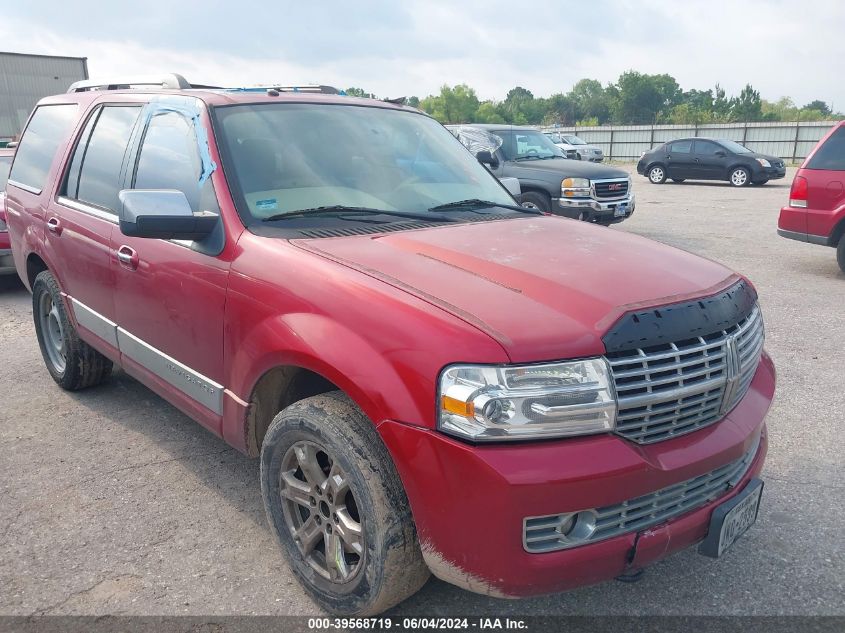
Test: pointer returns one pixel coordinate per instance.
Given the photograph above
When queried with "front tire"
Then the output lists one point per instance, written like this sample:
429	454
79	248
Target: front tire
656	175
536	200
740	177
72	363
679	180
840	253
338	508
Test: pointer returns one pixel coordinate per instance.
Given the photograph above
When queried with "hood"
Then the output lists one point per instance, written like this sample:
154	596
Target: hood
544	287
567	168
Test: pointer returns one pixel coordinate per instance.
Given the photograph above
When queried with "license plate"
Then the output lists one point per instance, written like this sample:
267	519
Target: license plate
732	519
620	211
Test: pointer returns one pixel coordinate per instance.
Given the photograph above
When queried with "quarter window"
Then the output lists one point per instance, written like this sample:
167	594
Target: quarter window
48	128
170	159
95	170
831	155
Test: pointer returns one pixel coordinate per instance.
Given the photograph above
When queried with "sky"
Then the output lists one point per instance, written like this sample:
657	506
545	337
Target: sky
397	48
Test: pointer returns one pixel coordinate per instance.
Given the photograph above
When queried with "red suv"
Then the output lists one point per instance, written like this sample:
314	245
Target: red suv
816	210
435	379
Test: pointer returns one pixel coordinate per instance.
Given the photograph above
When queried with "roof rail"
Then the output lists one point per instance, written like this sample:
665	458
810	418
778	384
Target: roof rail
311	88
168	82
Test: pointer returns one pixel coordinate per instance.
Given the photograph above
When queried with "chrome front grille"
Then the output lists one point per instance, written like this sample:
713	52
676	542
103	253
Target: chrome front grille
545	534
672	389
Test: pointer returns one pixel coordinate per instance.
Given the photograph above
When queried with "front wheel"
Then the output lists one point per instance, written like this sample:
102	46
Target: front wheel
72	363
657	175
538	201
338	508
740	177
678	179
840	254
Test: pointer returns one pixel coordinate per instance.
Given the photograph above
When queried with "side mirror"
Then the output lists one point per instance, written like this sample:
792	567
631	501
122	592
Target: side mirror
163	214
512	185
721	153
486	158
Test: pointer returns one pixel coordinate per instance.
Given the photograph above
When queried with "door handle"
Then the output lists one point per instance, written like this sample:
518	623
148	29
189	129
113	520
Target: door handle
54	226
128	257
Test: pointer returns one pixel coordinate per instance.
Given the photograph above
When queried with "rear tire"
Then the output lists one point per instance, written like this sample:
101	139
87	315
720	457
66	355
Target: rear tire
330	487
657	174
739	177
536	200
72	363
840	253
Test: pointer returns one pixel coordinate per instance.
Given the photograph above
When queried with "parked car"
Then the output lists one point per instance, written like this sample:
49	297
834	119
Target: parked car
816	209
575	147
549	183
7	266
434	378
709	159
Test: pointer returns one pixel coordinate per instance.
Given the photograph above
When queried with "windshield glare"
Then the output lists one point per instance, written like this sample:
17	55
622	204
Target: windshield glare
736	148
5	165
527	144
574	140
290	157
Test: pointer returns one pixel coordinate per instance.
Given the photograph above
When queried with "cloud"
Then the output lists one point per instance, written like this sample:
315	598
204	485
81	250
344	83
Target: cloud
411	48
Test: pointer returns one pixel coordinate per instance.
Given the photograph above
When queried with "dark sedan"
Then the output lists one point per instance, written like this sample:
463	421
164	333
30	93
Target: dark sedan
709	159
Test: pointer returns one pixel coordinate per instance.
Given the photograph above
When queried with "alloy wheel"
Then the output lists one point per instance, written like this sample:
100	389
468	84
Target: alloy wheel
739	177
321	512
656	175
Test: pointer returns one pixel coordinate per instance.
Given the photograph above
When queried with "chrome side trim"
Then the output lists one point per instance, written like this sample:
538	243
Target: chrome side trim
194	385
95	322
20	185
88	209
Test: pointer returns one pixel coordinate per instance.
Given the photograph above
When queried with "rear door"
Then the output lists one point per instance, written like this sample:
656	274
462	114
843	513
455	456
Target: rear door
170	295
679	159
710	160
83	216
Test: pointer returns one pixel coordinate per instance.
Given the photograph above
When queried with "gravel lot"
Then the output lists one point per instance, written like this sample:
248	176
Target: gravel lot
112	502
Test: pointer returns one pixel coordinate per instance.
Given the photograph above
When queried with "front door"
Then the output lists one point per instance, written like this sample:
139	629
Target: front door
679	160
711	161
170	295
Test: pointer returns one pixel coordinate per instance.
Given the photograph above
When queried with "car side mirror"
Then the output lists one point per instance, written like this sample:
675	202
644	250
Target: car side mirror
162	214
721	154
486	158
512	185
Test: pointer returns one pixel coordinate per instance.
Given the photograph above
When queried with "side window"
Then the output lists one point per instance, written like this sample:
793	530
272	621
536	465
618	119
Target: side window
707	148
95	170
681	147
170	159
831	155
48	128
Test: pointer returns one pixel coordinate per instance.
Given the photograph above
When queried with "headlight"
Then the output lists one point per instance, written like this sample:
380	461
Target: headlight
506	402
575	188
764	162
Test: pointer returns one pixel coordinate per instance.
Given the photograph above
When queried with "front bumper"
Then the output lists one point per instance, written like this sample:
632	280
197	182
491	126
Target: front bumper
592	210
772	173
469	502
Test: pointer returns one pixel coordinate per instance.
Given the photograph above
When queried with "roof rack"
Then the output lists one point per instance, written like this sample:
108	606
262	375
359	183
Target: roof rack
171	81
310	88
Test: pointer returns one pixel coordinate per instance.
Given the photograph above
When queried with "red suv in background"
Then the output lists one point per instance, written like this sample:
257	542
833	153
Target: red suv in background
435	379
7	265
816	209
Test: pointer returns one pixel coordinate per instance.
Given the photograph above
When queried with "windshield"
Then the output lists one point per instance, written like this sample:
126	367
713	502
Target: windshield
736	148
527	144
291	157
574	140
5	165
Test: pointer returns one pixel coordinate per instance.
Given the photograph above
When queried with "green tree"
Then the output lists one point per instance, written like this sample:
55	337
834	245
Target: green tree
414	102
452	105
488	112
559	108
644	98
820	106
520	107
359	92
747	106
589	100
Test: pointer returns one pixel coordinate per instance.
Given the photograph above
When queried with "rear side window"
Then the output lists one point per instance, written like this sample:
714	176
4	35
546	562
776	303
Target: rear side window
681	147
94	175
170	159
831	155
48	128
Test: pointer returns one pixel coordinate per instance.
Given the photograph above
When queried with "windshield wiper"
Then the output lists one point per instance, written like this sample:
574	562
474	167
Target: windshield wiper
460	205
339	209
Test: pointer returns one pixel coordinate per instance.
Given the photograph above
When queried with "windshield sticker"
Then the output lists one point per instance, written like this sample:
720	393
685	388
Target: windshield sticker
266	205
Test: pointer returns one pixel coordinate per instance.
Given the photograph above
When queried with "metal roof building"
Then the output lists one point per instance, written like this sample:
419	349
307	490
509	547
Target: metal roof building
24	79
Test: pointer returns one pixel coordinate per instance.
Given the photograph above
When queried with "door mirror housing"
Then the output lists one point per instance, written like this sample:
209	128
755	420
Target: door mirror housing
162	214
721	153
486	158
